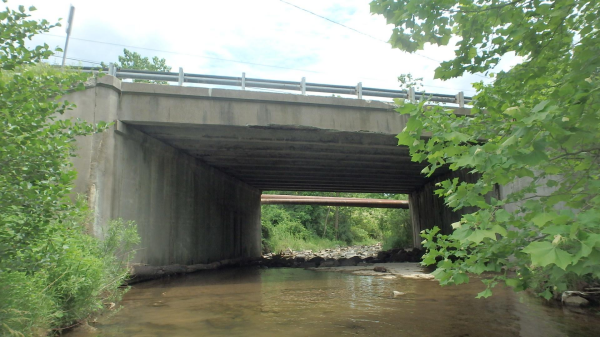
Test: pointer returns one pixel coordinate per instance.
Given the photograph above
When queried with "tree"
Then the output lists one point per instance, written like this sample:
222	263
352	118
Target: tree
538	123
134	61
51	272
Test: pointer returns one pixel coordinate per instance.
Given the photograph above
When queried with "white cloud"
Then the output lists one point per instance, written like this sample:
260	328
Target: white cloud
266	32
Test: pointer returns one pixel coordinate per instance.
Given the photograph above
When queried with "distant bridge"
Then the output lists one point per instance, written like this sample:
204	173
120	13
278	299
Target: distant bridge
277	199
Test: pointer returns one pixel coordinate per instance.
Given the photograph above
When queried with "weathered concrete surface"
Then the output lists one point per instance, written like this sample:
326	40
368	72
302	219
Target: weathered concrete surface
279	141
188	164
187	212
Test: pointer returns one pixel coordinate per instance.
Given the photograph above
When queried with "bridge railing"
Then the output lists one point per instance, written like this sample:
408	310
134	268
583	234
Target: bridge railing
303	87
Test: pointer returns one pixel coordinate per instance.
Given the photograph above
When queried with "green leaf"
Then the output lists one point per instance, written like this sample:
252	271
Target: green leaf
540	106
413	124
543	218
499	229
405	138
460	278
485	294
532	158
502	215
513	282
544	253
478	235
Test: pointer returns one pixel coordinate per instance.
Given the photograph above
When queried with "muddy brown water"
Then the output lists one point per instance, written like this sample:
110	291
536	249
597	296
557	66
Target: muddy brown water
297	302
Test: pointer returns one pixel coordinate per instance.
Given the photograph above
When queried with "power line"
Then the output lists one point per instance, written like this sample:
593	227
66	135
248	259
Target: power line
357	31
185	54
76	59
335	22
208	57
350	28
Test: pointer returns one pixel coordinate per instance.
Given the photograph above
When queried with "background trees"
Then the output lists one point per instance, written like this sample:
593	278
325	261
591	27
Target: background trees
538	123
134	61
314	227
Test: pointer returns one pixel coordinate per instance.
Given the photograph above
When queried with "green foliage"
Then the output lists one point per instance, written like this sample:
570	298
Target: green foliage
313	227
85	275
396	228
134	61
538	124
13	52
51	272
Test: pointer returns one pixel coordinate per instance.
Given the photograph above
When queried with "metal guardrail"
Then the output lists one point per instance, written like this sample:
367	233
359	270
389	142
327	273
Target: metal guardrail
302	86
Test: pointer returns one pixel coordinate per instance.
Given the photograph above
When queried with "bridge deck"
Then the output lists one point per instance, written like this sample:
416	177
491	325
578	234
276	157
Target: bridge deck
279	141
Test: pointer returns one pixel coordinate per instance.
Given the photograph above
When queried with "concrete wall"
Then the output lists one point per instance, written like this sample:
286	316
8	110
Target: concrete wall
187	212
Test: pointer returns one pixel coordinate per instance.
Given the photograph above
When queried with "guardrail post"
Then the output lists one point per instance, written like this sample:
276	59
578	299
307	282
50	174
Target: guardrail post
303	86
180	76
359	90
460	99
243	81
112	69
411	95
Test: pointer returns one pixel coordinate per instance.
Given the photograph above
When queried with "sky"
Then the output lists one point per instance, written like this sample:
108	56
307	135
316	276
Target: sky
268	39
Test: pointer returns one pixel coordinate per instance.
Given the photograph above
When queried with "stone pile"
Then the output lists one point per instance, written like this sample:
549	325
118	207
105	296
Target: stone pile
344	256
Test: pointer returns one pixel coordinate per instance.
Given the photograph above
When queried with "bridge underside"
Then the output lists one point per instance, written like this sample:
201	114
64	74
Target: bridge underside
292	159
188	165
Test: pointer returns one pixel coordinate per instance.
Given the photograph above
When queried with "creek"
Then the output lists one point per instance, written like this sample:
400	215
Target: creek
298	302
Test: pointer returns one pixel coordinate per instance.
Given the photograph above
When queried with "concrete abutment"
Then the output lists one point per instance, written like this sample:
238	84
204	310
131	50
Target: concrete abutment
186	211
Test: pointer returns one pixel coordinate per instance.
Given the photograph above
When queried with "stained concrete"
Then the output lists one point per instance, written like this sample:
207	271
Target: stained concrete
188	164
278	141
187	212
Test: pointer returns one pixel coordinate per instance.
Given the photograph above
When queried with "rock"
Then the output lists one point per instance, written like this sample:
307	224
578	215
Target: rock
383	256
316	260
329	263
300	258
397	293
84	329
419	276
308	265
348	262
196	267
380	269
401	256
574	300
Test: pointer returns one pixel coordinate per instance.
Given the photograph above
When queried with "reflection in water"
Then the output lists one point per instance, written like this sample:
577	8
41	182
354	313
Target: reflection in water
295	302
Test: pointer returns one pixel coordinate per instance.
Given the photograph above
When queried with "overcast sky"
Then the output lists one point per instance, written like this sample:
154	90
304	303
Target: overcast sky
267	39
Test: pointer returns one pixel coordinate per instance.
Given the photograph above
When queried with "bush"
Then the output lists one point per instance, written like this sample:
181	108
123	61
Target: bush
51	272
85	274
397	230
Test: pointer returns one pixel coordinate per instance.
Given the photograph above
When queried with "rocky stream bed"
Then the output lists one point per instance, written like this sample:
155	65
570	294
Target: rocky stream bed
340	257
367	258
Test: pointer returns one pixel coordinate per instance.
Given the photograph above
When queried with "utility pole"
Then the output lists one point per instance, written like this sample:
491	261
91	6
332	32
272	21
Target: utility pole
69	25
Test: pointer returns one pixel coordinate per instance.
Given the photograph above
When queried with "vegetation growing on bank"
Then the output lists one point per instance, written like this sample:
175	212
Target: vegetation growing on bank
300	227
538	122
52	273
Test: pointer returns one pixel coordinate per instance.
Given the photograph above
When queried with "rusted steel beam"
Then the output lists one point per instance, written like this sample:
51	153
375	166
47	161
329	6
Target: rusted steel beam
274	199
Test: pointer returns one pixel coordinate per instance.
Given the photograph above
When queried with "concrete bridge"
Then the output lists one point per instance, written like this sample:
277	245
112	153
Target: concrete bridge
189	164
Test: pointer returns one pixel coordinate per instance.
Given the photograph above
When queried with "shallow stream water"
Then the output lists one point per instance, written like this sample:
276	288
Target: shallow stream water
297	302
